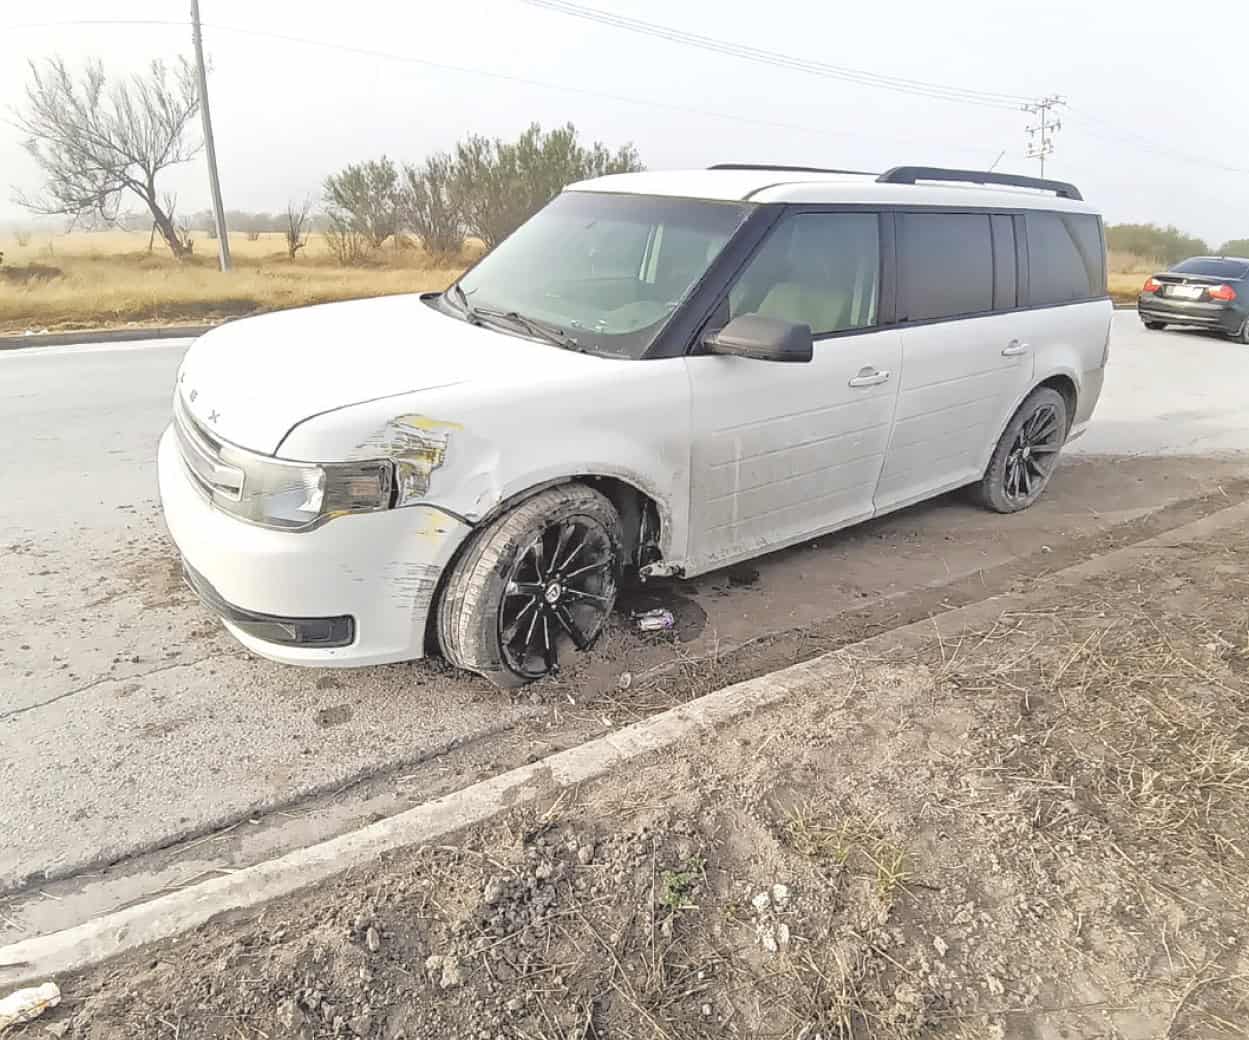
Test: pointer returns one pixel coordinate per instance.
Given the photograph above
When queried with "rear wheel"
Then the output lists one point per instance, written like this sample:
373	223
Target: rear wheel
1155	325
1027	453
536	583
1243	335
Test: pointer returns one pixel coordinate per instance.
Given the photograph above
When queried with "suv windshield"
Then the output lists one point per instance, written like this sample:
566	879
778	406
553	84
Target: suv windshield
1212	268
605	270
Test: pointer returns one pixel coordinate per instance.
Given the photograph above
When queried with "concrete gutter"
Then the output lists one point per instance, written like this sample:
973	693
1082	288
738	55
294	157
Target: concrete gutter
163	918
64	339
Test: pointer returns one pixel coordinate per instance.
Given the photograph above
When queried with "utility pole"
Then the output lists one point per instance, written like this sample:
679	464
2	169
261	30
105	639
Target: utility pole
1041	136
219	216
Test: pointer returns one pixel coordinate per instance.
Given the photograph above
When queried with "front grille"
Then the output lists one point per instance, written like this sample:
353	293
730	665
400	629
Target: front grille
201	454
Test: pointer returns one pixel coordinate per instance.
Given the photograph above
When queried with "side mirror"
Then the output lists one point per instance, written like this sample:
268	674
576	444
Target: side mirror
763	339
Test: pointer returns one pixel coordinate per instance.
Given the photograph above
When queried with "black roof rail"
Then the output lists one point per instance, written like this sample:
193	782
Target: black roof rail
787	169
911	174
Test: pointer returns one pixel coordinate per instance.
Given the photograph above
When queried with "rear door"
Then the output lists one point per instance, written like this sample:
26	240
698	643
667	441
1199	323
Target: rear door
964	363
783	451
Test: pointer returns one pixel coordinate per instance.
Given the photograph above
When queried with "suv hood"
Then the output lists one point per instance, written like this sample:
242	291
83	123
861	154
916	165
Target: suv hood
251	381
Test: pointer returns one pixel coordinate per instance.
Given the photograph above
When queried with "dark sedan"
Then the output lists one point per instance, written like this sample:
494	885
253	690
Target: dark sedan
1207	292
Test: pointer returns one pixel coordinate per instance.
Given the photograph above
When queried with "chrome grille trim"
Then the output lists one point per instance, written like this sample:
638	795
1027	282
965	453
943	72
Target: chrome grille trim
201	454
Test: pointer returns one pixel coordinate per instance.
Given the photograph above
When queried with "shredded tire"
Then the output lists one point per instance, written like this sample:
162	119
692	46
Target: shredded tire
469	608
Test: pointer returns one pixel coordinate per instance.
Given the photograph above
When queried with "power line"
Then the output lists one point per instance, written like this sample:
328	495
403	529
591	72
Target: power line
863	77
1112	131
369	52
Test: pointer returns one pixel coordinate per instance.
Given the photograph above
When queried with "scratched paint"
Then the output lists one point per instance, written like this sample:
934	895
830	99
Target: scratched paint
417	445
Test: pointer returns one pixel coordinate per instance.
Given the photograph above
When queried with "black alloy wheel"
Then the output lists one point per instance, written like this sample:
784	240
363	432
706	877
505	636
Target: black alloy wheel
561	586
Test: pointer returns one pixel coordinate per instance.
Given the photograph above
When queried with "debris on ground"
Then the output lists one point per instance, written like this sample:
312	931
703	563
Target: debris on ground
28	1004
1038	828
657	620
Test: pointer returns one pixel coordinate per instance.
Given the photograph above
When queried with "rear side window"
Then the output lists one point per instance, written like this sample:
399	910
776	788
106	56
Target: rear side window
945	265
816	269
1065	260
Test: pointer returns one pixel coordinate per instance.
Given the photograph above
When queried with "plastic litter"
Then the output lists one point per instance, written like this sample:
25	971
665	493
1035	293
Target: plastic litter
658	620
28	1004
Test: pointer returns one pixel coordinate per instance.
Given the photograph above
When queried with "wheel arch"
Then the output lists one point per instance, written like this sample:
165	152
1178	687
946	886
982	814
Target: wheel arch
1066	386
636	505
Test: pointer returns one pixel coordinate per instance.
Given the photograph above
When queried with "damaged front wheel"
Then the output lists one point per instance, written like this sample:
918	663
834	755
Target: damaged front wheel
537	583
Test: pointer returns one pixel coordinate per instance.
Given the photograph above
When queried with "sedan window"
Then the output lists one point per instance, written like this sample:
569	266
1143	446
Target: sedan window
1211	268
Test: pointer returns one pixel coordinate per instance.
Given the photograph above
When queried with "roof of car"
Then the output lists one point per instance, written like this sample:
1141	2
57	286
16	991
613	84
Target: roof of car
780	184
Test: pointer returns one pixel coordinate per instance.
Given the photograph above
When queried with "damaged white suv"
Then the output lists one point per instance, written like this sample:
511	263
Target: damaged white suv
670	372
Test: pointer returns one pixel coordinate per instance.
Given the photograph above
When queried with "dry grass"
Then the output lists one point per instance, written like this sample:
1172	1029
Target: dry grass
96	279
1127	273
108	278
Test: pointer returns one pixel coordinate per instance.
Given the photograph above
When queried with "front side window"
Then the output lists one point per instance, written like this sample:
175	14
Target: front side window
605	270
816	269
945	265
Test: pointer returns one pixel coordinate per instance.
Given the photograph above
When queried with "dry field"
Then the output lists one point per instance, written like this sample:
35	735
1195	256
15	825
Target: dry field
108	279
1127	273
1037	830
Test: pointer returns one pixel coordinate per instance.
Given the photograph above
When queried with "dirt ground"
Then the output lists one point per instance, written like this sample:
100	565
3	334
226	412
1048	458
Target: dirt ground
1037	830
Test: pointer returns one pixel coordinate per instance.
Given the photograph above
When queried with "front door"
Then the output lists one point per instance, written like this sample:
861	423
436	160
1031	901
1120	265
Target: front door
783	452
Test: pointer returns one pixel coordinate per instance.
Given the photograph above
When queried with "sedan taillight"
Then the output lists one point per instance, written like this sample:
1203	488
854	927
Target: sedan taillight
1152	285
1222	292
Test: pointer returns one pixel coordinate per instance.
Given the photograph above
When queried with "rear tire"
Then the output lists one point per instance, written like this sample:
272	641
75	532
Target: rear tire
1155	325
539	580
1243	335
1026	454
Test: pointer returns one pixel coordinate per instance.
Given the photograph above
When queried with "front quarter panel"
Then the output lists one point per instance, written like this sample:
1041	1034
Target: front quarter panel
489	442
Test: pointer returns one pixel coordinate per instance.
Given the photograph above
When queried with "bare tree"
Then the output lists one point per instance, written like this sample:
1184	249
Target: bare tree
95	143
297	214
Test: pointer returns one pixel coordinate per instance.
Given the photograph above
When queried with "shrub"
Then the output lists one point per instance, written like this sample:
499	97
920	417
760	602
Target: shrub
1236	247
498	185
1169	244
365	197
347	244
429	208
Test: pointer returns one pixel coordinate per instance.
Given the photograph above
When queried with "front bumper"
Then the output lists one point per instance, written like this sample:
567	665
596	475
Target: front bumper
1225	317
378	571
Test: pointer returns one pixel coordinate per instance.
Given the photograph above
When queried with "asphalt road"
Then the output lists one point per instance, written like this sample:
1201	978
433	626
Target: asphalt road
128	719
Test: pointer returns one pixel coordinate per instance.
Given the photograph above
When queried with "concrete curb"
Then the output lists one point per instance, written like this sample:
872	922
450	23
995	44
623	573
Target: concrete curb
76	948
64	339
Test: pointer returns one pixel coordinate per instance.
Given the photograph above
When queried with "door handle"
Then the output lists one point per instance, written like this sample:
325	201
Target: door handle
1014	348
869	377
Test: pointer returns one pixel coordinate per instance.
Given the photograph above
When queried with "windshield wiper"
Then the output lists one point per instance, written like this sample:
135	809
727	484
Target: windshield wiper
465	305
534	327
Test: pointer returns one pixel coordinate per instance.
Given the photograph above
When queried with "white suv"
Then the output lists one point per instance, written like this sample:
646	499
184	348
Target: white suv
670	372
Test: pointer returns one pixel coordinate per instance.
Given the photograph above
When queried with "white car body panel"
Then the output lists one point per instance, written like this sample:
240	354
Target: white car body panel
781	452
740	457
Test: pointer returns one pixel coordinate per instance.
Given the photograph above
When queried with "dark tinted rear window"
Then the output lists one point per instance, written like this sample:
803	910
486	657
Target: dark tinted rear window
1213	268
1065	259
945	265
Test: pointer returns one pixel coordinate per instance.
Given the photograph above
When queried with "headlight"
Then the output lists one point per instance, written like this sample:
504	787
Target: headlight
273	493
297	495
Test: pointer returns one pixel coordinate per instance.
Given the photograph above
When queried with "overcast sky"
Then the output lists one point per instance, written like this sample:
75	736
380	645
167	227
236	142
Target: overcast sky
286	113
